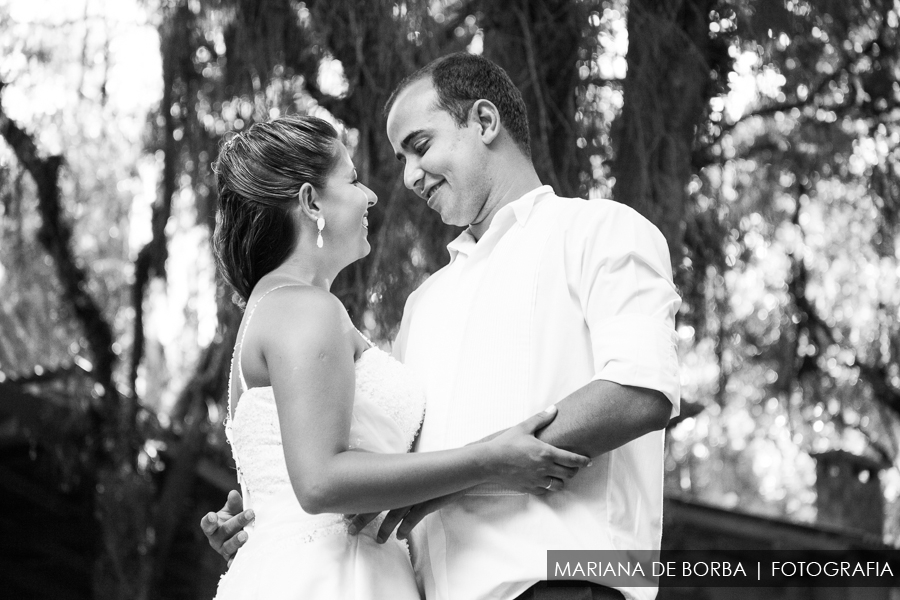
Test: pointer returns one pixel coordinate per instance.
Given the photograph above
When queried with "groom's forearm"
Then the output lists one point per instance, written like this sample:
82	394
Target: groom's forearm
603	415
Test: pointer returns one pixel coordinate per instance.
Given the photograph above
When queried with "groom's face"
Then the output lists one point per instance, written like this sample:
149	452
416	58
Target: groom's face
443	163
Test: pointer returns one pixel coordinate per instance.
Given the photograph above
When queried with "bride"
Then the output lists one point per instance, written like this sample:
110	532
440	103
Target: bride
321	421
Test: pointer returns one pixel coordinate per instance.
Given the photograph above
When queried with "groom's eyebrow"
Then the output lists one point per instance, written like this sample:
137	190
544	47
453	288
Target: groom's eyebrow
406	141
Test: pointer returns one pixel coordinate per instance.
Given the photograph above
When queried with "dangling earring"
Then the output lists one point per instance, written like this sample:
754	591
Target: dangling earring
320	224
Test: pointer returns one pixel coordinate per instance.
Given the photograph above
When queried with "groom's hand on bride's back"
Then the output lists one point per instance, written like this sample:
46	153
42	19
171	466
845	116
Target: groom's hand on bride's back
409	517
225	529
406	517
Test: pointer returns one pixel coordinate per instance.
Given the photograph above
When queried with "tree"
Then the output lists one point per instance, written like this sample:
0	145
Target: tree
797	218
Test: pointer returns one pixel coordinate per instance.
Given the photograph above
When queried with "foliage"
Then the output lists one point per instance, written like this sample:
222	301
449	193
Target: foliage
796	191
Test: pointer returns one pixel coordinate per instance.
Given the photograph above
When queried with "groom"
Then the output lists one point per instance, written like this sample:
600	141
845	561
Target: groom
545	300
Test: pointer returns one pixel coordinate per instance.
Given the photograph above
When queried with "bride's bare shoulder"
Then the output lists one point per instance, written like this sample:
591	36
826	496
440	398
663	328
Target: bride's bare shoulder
303	310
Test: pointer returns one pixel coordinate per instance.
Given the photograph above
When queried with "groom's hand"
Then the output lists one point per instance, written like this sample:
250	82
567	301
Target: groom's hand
359	522
225	529
410	516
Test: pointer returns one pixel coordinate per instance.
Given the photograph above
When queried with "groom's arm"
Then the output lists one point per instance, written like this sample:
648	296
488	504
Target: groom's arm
603	415
597	418
618	268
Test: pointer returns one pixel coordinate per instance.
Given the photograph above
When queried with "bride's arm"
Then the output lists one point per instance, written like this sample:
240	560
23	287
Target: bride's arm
308	351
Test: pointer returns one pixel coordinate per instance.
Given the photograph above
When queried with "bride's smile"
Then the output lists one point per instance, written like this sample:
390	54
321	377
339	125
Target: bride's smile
345	203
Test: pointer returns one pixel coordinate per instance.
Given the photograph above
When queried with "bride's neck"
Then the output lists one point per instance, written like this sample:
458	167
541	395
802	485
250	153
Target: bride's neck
308	264
298	273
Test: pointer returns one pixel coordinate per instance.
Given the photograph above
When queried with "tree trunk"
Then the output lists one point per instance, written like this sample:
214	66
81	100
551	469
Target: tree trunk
666	92
538	43
122	495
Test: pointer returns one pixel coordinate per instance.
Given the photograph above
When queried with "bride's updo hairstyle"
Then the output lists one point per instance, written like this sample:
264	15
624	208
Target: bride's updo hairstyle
258	175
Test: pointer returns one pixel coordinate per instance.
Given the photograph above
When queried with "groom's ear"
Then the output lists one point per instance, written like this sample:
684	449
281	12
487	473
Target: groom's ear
486	116
308	201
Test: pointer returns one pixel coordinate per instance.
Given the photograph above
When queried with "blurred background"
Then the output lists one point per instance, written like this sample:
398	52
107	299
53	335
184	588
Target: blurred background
761	136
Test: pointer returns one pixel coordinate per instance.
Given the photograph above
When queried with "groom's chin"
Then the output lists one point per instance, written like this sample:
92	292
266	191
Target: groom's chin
450	219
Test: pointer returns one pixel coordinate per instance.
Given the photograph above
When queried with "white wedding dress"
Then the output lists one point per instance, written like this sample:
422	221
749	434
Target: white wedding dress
292	555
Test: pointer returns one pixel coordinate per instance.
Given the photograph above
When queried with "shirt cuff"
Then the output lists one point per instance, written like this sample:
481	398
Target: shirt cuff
639	351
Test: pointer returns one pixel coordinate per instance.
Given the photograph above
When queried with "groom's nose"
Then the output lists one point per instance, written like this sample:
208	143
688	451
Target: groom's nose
413	176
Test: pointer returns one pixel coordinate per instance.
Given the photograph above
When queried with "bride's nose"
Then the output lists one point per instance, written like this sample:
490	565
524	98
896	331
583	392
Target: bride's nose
371	198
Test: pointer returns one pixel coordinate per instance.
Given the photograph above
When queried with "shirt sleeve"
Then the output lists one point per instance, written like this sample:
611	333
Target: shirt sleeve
623	280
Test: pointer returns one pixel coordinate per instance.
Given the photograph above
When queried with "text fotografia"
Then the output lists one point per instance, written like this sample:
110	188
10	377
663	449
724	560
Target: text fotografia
725	568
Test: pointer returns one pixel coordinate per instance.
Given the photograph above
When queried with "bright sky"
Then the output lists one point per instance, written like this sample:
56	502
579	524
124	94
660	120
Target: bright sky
134	77
132	71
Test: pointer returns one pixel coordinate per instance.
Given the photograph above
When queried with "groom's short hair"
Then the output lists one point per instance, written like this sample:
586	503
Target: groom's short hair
462	78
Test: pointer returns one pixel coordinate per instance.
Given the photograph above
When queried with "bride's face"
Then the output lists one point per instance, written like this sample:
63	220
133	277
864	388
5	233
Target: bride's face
345	204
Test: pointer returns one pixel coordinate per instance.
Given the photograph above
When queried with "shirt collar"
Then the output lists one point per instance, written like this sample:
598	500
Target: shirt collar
464	243
520	208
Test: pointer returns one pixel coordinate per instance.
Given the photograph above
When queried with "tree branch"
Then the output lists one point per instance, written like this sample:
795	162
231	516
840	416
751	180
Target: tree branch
878	377
55	235
811	98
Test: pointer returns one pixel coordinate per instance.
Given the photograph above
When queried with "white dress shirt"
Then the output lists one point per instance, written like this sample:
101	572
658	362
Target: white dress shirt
557	292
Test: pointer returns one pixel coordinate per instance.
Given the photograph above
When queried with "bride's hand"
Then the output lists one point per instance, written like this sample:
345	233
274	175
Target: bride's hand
518	460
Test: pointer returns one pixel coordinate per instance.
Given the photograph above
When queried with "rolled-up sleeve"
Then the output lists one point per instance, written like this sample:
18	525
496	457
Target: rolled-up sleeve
624	285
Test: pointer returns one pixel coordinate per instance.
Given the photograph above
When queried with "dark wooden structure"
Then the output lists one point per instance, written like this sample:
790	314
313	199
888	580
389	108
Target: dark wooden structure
850	517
